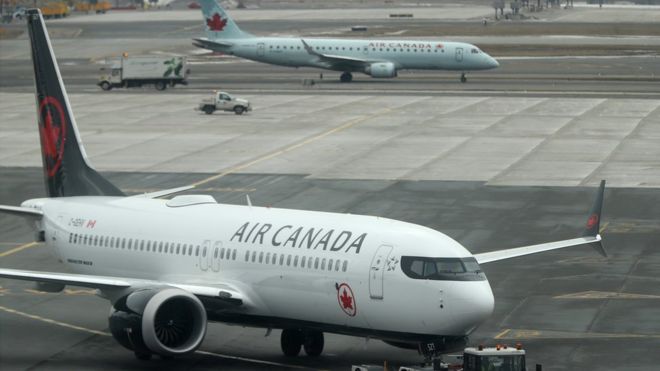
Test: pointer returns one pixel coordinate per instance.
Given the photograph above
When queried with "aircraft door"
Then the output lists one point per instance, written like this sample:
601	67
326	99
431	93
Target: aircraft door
205	255
261	49
459	54
377	271
215	262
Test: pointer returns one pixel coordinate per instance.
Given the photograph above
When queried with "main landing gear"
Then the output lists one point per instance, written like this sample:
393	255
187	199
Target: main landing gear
463	78
292	340
346	77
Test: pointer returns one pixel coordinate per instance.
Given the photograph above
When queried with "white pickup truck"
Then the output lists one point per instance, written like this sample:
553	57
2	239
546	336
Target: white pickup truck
222	101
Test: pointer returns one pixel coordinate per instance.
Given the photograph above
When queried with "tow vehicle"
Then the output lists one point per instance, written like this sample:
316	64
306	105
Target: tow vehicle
497	358
222	101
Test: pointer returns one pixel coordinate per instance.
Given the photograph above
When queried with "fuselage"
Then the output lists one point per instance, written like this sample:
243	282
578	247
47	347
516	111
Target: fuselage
295	266
404	54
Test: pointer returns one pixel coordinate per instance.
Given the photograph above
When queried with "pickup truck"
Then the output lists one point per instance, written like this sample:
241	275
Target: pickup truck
222	101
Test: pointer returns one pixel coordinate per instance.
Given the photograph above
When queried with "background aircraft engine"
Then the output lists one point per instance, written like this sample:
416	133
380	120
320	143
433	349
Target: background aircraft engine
165	321
381	69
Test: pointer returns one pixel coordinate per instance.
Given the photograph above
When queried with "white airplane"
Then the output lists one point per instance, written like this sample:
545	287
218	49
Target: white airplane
377	58
168	266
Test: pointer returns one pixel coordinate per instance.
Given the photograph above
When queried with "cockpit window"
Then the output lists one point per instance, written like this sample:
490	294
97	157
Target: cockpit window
475	51
442	269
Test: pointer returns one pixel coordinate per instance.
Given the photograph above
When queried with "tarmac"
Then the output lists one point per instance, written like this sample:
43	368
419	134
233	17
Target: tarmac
509	159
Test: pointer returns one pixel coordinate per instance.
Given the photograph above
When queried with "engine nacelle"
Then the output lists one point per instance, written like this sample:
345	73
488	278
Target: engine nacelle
165	321
381	69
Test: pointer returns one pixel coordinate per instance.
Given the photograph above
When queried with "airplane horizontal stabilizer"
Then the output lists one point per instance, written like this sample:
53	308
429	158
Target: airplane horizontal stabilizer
214	45
590	236
24	212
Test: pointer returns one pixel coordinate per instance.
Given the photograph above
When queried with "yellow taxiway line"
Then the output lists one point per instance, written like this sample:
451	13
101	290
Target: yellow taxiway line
19	248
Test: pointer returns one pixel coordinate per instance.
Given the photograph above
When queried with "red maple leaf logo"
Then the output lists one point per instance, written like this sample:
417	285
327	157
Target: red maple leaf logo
593	219
346	301
49	135
216	23
52	130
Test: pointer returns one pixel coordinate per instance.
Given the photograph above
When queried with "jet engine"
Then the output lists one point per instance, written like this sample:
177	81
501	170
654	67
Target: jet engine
165	321
381	69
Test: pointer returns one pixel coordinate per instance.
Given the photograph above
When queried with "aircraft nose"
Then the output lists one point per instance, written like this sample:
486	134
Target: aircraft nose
476	305
492	62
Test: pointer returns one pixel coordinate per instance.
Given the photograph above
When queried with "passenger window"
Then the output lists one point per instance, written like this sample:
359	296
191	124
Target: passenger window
261	257
323	264
130	243
148	246
112	242
329	264
204	252
233	255
274	261
247	256
344	266
267	258
254	256
295	261
337	266
302	262
84	240
222	253
215	253
123	243
96	240
178	248
282	259
288	260
197	250
316	263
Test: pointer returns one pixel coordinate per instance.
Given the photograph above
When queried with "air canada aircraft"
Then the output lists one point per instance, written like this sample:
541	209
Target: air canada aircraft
376	58
169	266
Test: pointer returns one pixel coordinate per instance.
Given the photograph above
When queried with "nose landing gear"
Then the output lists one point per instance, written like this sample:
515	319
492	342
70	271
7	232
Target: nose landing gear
292	340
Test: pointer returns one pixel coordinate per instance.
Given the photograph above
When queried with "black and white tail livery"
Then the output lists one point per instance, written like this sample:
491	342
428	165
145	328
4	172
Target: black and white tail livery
66	170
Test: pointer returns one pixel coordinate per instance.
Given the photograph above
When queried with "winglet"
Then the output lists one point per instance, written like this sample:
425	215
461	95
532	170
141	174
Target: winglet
592	228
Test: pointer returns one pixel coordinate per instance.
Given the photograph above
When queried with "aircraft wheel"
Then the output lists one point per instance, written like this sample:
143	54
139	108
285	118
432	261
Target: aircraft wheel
313	343
291	342
346	77
463	78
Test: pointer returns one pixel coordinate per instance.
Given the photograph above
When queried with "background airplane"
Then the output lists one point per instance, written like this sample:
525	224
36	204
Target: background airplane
170	266
377	58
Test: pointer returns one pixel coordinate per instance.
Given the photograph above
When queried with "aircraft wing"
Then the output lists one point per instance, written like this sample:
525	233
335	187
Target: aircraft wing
220	291
339	61
24	212
590	236
164	192
214	45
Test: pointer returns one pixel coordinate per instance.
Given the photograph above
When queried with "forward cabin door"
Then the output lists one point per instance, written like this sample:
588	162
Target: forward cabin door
377	271
459	55
261	49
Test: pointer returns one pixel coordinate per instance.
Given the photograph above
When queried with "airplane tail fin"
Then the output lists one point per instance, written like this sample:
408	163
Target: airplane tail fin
66	170
219	24
592	229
